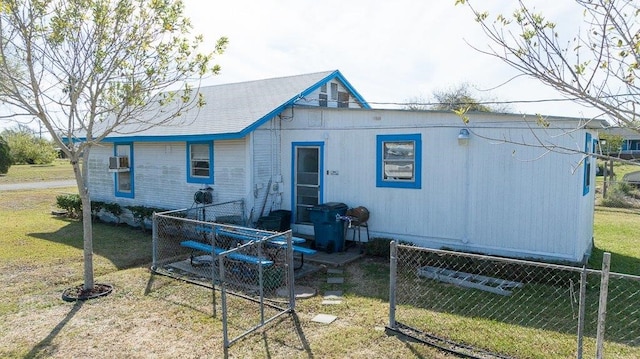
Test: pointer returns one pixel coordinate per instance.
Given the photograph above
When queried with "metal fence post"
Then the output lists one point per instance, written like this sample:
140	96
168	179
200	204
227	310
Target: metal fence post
581	308
602	306
393	275
291	274
154	242
261	284
223	300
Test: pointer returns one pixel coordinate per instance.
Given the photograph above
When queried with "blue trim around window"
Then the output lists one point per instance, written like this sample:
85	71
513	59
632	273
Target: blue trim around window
199	179
417	180
131	193
586	181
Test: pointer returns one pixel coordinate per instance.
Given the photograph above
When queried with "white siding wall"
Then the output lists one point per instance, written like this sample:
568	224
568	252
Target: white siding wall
101	185
230	170
484	196
266	170
161	177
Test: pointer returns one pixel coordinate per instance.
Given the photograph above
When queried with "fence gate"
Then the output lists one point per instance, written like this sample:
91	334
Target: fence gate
492	307
252	269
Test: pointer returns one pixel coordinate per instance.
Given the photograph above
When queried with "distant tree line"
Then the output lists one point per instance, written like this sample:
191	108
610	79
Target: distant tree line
460	98
22	146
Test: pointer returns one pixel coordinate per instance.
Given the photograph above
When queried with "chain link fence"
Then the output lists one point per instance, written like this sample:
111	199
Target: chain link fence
490	307
252	269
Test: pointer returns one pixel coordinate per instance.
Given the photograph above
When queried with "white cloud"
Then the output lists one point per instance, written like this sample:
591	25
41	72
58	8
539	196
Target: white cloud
389	50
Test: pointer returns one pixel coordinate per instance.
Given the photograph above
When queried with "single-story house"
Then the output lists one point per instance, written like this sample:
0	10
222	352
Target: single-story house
500	184
630	146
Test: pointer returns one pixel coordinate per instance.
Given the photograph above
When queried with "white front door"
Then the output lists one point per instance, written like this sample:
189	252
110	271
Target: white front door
307	186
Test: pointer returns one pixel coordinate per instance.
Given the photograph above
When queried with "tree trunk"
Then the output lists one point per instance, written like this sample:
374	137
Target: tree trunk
87	235
87	225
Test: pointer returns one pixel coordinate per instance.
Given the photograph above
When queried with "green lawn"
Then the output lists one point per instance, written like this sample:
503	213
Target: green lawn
154	316
150	315
58	170
616	231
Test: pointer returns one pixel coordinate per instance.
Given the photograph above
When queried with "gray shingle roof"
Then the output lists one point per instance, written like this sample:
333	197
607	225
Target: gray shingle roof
233	110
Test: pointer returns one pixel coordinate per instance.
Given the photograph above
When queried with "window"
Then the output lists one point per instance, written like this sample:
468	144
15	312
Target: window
399	161
200	162
124	176
323	88
586	187
334	91
343	99
322	100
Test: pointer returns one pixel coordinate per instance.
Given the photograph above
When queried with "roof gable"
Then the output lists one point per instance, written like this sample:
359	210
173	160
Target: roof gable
234	110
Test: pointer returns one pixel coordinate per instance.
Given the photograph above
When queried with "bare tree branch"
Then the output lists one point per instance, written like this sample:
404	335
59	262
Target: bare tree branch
89	68
598	66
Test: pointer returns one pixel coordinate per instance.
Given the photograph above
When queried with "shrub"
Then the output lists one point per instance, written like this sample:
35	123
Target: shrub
620	196
616	200
113	208
142	213
70	203
96	207
625	187
5	156
378	247
26	148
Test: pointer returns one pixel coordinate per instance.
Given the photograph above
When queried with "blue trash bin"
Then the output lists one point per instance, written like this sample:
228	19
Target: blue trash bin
328	232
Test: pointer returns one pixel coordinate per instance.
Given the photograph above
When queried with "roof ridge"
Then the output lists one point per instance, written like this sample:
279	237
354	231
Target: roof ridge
326	73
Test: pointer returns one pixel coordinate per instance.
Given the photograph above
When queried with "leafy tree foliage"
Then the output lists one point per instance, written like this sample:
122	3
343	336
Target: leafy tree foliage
460	98
26	148
597	66
92	68
611	143
417	103
5	156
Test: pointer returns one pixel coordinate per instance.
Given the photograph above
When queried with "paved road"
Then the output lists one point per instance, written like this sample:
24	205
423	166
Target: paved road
37	185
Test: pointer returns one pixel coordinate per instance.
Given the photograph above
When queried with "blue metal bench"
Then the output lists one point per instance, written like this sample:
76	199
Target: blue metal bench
203	247
279	241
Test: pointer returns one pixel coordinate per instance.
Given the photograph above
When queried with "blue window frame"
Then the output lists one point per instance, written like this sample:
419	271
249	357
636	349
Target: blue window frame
200	162
399	161
124	176
588	148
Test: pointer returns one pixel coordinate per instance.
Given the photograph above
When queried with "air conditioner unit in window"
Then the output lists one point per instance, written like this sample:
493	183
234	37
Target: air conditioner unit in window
118	164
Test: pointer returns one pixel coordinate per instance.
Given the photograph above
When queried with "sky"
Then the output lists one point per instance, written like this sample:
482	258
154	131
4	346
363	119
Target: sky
390	51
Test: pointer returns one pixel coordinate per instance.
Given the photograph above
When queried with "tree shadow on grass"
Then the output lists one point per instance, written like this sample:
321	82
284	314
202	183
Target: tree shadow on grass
43	348
122	245
620	263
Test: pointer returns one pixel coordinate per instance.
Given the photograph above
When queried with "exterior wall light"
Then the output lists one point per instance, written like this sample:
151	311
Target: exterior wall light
463	136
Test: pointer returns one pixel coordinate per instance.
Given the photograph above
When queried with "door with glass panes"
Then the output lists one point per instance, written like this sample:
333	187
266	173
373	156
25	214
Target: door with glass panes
307	167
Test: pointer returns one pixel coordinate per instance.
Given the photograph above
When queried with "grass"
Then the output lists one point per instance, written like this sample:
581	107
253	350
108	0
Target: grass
616	231
58	170
155	316
150	315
